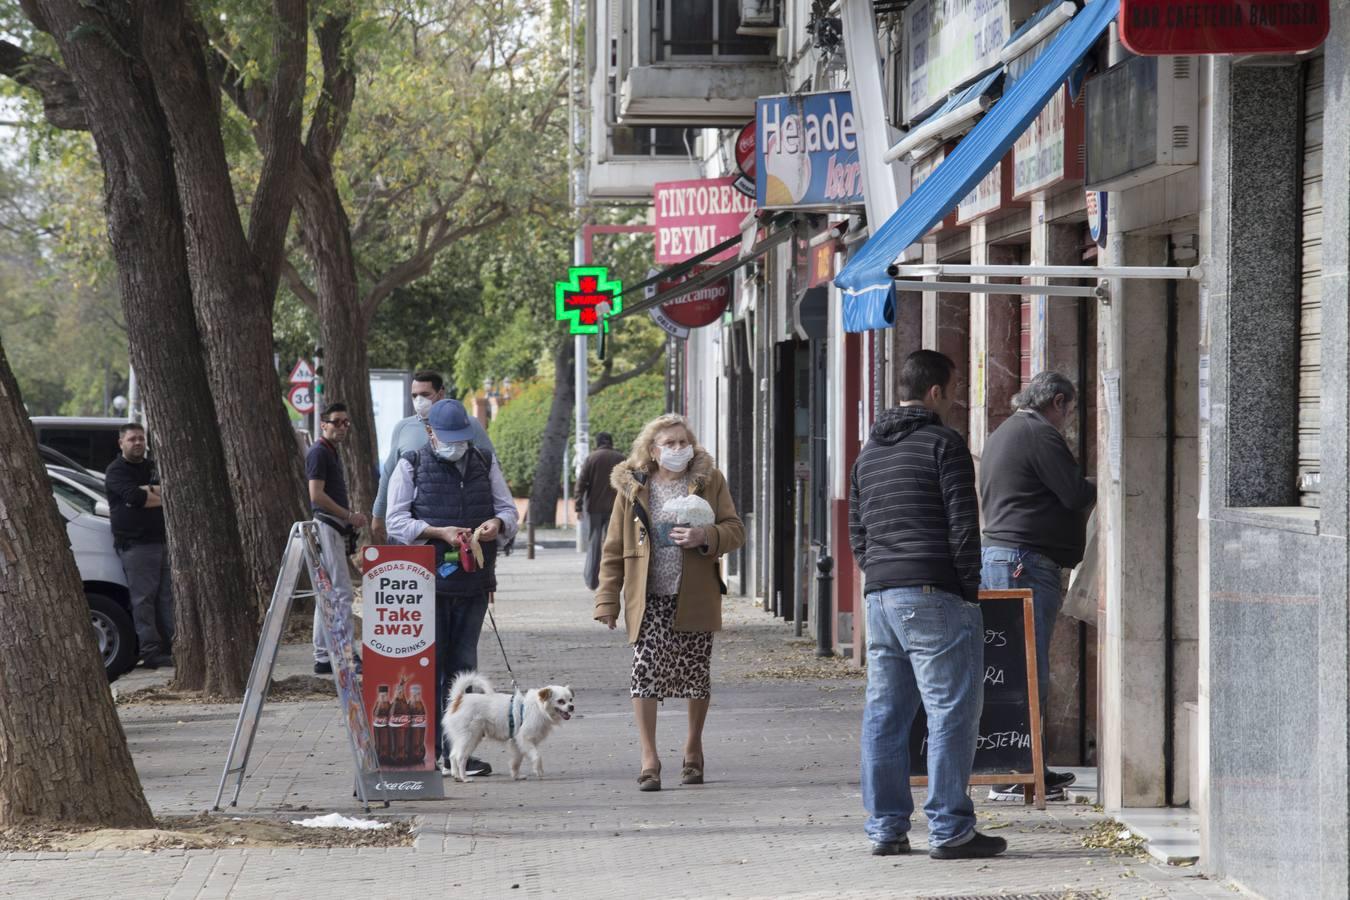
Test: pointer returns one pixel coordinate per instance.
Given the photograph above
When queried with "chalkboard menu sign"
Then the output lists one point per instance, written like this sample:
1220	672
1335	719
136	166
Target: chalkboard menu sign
1008	749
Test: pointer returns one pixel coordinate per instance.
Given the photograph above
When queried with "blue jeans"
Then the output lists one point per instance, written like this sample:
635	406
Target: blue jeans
459	622
924	646
1042	575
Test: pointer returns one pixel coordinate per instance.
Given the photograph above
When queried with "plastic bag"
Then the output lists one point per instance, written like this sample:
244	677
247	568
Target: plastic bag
691	510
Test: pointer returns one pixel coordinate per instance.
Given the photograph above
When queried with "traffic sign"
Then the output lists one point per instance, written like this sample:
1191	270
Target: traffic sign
302	398
303	373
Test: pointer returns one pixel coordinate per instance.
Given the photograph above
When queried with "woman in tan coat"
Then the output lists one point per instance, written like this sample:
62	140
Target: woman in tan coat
670	579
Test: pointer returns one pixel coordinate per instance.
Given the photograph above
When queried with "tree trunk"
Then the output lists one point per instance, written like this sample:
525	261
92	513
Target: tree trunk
216	631
548	473
342	326
234	314
63	755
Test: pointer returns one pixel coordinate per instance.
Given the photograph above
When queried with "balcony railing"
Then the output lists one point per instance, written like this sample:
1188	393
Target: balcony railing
691	30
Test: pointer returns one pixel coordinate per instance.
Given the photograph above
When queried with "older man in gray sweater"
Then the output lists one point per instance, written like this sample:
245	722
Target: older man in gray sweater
1035	502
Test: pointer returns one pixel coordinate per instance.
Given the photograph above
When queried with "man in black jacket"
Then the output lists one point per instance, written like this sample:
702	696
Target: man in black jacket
1035	507
914	528
138	534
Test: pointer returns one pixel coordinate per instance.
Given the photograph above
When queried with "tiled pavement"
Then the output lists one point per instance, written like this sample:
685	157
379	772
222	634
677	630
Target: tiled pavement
779	816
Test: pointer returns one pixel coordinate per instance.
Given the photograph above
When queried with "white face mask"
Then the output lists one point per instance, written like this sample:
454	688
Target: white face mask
452	452
422	405
676	460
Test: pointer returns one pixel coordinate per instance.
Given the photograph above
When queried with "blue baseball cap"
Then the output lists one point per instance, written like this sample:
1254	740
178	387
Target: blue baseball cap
449	420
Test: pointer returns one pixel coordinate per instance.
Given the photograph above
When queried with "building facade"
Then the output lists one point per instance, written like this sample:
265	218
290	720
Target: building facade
1202	203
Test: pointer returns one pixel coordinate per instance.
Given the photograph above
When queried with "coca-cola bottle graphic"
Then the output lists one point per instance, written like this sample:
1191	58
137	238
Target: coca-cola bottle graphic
398	728
417	728
380	723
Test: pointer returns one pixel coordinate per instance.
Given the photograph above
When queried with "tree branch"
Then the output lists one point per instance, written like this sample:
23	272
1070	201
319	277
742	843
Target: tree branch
420	262
609	380
296	283
339	89
280	128
61	103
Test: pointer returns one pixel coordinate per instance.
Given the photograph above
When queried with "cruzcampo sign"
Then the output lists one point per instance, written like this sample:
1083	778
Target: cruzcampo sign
1211	27
587	298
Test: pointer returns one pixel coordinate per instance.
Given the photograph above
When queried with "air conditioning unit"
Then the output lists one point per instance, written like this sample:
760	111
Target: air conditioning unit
758	14
1142	119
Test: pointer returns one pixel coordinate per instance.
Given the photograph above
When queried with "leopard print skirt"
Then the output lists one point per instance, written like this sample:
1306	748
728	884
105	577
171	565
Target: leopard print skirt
670	663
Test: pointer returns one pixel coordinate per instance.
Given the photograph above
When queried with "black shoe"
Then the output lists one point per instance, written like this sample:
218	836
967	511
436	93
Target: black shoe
157	661
323	668
980	846
1058	781
1053	790
890	848
474	766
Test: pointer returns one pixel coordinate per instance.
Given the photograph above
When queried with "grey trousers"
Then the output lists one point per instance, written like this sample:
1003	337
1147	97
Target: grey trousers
598	525
147	570
333	553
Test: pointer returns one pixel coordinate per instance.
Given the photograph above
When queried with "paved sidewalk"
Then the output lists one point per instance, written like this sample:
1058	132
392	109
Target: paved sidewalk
780	814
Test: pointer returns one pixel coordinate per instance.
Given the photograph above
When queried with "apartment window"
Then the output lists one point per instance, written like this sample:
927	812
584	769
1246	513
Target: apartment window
652	141
706	29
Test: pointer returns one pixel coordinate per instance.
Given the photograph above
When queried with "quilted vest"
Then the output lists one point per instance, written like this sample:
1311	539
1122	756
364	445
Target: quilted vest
455	494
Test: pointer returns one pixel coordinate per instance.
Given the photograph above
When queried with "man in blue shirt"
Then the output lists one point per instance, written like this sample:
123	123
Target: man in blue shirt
328	499
411	434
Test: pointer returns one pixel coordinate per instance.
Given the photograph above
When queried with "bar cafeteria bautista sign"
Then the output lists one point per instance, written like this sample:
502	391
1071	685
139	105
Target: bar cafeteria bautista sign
1210	27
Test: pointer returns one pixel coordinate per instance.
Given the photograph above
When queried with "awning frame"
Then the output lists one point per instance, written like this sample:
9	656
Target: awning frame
1103	275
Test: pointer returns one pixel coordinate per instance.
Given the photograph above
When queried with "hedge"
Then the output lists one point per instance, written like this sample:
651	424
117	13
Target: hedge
621	410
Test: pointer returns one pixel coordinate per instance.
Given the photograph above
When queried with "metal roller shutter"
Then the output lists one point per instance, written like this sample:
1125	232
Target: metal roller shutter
1310	296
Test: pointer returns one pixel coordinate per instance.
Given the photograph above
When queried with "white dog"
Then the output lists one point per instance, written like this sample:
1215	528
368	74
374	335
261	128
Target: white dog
522	721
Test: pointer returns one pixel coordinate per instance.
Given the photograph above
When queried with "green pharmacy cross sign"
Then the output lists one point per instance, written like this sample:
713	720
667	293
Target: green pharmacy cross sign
587	297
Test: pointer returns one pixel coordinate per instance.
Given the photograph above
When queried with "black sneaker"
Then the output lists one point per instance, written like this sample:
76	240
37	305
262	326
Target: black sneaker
890	848
1015	792
157	661
980	846
474	766
323	668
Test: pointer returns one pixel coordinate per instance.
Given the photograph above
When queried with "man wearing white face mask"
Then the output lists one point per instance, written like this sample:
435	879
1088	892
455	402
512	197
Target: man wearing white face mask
411	434
447	493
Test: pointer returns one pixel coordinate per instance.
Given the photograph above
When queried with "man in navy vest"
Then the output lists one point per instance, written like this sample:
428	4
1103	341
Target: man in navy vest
439	494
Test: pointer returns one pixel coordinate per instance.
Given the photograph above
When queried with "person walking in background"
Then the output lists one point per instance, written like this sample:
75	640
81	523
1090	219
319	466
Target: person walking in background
914	529
451	493
668	574
411	434
595	499
137	516
1035	502
329	502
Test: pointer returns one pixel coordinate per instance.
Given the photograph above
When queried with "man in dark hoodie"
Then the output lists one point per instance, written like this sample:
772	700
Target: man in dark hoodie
1035	507
914	528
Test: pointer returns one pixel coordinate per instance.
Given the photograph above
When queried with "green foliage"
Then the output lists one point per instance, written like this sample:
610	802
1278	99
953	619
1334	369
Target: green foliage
621	410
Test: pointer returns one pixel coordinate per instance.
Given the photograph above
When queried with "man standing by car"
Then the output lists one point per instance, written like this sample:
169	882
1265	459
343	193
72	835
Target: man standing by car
413	433
914	527
137	515
595	497
328	500
1035	503
451	494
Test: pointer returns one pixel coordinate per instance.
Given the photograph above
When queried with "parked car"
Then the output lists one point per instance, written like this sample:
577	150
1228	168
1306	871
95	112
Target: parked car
53	457
105	585
81	489
90	441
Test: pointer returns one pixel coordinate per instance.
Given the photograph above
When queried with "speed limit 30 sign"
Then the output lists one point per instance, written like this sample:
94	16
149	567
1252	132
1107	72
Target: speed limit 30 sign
302	398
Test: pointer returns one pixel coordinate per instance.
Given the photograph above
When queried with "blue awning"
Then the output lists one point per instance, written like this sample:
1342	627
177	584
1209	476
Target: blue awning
868	290
978	88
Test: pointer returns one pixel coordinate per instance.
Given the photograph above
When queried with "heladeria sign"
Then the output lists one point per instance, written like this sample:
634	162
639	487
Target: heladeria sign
806	152
398	634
